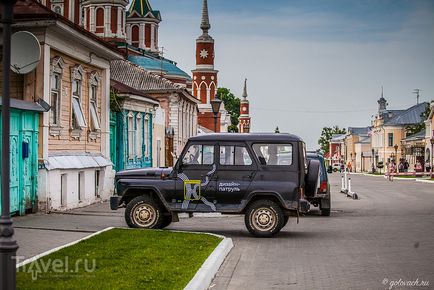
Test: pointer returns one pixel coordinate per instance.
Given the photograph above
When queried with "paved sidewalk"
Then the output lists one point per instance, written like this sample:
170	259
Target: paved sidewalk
37	233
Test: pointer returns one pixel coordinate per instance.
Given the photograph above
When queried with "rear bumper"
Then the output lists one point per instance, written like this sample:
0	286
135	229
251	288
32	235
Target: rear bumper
115	202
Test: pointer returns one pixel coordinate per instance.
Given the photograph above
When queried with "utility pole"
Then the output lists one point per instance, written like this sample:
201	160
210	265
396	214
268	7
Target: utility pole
8	245
417	92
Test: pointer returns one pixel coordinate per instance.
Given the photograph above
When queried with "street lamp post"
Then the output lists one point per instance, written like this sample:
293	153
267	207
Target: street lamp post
396	152
215	106
8	245
373	161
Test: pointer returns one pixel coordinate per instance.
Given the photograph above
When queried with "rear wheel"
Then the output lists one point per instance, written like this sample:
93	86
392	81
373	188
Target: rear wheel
264	218
144	212
326	211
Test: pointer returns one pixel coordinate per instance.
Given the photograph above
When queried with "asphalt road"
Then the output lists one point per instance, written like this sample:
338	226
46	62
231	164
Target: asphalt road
386	237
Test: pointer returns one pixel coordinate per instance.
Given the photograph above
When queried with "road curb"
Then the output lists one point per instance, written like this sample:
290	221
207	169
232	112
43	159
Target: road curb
424	181
203	277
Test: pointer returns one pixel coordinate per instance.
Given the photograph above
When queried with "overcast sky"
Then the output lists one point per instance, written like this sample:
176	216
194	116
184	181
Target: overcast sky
310	63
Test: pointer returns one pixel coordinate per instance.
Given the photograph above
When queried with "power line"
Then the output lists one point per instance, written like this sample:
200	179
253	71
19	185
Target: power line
312	111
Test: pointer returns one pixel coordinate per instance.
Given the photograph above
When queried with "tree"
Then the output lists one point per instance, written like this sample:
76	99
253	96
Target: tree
232	105
116	101
416	128
326	135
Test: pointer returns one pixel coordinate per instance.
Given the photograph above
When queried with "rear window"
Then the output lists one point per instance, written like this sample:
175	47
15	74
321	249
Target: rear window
234	155
274	154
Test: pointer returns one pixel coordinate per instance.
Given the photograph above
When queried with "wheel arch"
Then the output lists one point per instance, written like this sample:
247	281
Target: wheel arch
270	195
151	191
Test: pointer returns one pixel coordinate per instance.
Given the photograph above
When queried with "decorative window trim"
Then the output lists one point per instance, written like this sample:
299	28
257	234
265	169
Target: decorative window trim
57	5
139	135
94	119
131	134
77	73
56	67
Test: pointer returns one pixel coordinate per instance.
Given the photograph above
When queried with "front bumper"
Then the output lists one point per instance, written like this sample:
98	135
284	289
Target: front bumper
115	202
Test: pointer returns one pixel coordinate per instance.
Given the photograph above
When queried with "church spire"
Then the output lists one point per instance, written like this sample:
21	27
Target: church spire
245	89
204	24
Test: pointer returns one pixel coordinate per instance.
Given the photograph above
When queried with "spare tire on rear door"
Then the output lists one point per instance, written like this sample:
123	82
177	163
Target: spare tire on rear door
312	178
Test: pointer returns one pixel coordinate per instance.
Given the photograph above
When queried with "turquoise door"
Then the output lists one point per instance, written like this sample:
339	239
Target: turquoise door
23	160
14	163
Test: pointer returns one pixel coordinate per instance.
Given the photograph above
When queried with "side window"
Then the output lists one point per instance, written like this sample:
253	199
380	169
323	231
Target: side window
274	154
199	155
234	155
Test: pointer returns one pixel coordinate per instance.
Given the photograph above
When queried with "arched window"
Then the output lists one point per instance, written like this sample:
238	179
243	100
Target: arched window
135	35
212	90
99	20
147	35
203	90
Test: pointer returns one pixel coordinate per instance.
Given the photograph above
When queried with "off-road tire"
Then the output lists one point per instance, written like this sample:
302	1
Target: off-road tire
144	212
326	211
285	221
167	220
312	178
264	218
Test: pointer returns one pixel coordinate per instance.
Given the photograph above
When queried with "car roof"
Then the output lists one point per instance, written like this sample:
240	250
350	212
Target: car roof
314	155
246	137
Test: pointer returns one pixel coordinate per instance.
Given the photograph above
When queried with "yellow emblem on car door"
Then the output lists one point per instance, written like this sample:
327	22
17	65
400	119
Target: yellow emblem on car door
192	190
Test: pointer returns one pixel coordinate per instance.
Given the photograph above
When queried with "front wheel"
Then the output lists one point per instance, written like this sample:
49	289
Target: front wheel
264	218
143	212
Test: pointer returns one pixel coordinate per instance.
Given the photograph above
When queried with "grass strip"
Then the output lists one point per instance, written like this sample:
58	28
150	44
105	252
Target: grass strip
122	259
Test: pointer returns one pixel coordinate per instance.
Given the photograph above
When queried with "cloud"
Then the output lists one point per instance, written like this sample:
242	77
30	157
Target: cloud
310	64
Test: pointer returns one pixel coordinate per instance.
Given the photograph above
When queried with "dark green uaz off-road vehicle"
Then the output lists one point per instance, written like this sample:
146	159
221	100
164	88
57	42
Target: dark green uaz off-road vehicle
266	177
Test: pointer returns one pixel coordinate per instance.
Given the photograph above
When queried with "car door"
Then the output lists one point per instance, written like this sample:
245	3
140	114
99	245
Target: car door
195	183
236	170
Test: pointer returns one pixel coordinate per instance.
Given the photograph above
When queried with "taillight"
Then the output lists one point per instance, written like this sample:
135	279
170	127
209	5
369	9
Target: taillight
301	191
323	187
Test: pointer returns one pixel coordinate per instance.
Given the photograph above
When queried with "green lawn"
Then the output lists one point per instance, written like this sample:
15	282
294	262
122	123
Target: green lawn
122	259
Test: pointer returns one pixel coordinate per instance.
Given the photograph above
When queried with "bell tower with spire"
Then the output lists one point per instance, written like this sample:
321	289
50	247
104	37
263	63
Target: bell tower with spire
205	76
382	103
244	125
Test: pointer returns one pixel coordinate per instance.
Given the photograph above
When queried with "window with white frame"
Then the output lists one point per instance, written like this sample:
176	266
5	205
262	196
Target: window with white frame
56	90
131	133
139	136
93	103
78	121
146	135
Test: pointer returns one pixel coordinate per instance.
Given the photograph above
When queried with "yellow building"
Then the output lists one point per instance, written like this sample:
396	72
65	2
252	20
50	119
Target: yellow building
356	148
388	130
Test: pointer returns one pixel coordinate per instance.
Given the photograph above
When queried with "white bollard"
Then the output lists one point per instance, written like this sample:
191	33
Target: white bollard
346	181
343	185
350	192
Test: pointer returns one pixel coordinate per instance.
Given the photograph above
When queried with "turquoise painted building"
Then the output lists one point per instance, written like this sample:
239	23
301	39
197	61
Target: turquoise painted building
131	129
24	123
